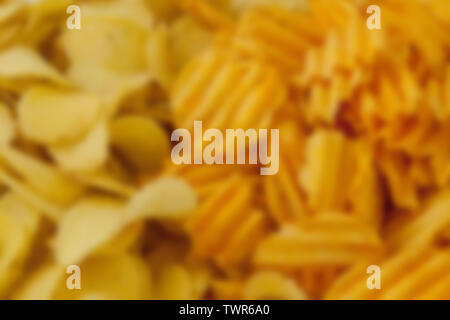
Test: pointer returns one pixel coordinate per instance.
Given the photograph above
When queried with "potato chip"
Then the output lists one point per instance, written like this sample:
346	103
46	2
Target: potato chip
272	285
18	224
43	178
89	154
100	279
7	125
164	198
42	283
87	226
50	116
186	45
328	240
141	142
20	63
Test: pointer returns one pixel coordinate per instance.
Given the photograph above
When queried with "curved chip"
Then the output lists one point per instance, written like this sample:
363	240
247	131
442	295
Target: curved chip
272	285
18	224
23	63
7	125
120	277
52	116
86	226
141	142
166	197
41	177
88	154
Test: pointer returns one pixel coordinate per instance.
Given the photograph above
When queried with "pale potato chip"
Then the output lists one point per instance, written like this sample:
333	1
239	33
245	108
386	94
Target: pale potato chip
48	209
7	125
87	226
174	283
188	38
20	63
159	55
18	224
105	181
88	154
107	41
164	198
51	116
141	142
41	177
119	277
110	87
42	284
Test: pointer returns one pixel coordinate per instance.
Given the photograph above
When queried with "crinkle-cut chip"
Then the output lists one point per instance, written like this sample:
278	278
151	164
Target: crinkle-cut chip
159	55
107	42
119	277
403	191
423	229
141	142
325	176
42	283
7	125
105	181
88	154
51	116
18	224
328	240
86	226
22	63
207	13
41	177
415	273
227	226
164	198
188	39
242	5
225	92
266	285
283	194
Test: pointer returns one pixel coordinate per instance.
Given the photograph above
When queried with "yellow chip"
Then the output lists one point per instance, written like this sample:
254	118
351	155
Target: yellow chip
141	142
18	224
52	116
119	277
86	226
41	177
19	63
89	154
272	285
7	125
165	198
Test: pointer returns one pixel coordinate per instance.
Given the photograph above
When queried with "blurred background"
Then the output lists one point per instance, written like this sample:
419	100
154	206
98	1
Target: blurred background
86	176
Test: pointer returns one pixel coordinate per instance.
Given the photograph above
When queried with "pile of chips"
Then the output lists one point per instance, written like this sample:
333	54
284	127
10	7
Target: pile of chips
86	176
